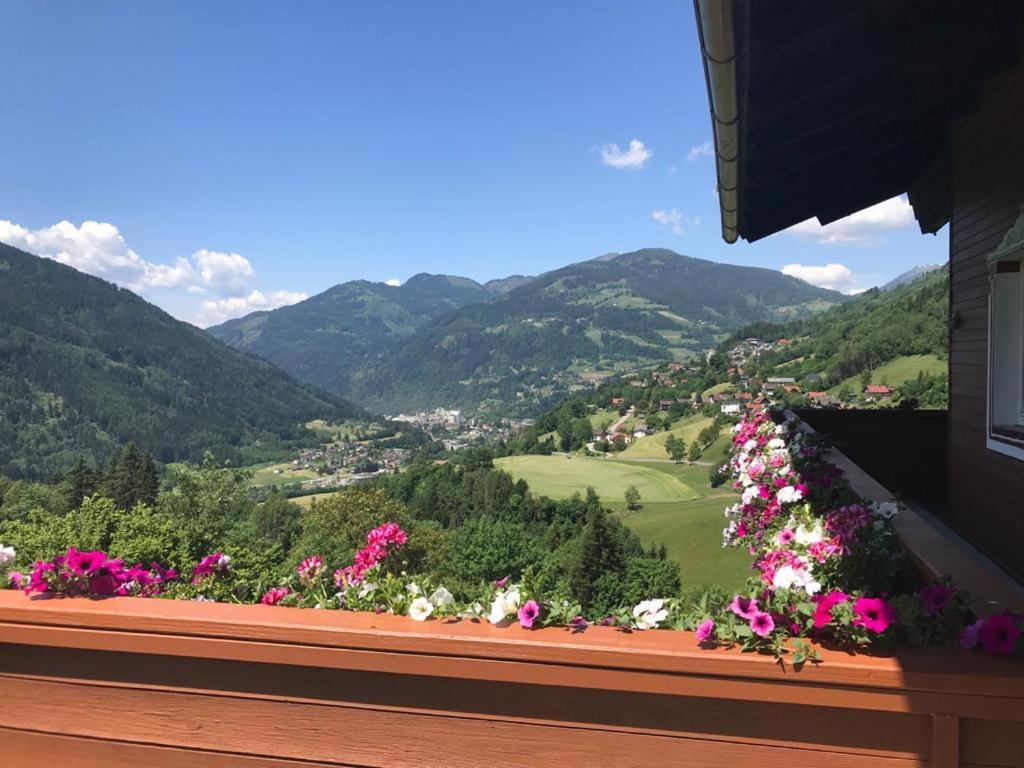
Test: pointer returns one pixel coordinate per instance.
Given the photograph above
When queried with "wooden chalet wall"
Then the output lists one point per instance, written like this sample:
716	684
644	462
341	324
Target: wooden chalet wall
986	488
159	683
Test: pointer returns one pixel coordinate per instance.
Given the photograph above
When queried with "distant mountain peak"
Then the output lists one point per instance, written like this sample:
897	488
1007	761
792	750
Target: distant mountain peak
910	275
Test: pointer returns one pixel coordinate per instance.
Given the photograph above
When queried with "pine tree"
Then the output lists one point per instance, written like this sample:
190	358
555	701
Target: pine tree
123	484
149	483
81	483
601	553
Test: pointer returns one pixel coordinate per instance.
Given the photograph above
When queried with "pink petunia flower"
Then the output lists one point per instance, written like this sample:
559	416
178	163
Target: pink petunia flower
85	563
999	633
873	614
969	635
309	570
823	612
935	597
704	630
275	595
762	623
528	613
744	607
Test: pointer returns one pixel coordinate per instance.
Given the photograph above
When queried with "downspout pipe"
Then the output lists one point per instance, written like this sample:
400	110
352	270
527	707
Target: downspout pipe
718	49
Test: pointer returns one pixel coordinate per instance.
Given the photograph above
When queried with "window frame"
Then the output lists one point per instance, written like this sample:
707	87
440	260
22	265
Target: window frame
1006	380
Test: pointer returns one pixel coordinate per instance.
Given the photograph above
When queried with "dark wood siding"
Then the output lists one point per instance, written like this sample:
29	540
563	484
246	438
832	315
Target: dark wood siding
986	488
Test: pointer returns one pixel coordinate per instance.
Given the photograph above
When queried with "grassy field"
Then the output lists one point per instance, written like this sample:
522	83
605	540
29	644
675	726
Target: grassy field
604	418
692	533
653	446
714	390
559	477
306	501
897	371
265	475
679	510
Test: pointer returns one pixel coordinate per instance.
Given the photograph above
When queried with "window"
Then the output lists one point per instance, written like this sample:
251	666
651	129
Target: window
1006	344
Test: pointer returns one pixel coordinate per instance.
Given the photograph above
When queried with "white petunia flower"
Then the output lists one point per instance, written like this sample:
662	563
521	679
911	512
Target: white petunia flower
367	588
441	598
420	609
790	577
776	442
885	509
789	495
750	445
414	588
809	536
648	614
750	493
7	555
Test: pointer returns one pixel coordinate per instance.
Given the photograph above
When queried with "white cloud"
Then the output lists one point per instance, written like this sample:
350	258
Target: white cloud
225	273
701	150
675	221
863	227
394	282
98	249
838	277
217	311
634	158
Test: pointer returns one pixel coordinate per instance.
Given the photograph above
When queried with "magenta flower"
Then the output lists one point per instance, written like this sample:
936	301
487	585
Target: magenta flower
999	633
762	623
529	612
823	612
17	579
500	583
85	563
210	565
704	630
744	607
969	635
935	597
275	595
579	623
873	614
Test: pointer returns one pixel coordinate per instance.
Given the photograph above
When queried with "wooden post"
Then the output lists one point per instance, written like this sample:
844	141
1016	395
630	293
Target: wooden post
945	741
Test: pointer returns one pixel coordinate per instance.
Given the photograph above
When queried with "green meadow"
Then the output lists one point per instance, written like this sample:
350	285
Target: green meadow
680	509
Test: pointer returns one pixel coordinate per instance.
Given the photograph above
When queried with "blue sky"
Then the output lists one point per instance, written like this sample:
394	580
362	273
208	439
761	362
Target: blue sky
238	155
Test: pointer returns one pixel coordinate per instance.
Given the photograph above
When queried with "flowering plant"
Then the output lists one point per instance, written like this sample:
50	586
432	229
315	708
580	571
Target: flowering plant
94	573
820	553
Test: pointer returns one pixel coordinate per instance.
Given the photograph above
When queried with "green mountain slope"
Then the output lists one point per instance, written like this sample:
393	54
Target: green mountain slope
892	333
619	312
323	339
86	366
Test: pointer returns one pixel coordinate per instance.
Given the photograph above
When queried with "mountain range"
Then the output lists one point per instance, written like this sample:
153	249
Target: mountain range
512	345
86	366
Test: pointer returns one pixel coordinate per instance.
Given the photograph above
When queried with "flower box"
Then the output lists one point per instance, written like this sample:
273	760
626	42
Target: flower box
164	682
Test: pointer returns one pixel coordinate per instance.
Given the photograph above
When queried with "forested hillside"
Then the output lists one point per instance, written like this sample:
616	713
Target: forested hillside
323	339
856	338
594	318
86	366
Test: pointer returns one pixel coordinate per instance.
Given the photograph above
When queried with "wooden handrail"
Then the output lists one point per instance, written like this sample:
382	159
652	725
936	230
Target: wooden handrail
71	641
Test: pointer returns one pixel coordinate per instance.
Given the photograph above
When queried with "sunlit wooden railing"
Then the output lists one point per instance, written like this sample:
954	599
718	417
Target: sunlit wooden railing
127	681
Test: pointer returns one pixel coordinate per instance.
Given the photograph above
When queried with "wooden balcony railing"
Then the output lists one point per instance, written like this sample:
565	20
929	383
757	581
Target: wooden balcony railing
133	682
